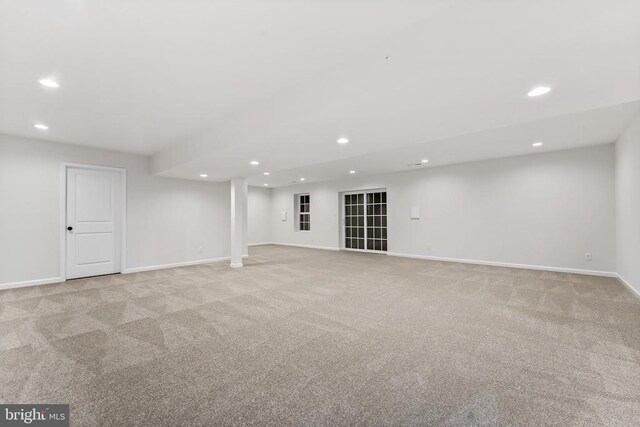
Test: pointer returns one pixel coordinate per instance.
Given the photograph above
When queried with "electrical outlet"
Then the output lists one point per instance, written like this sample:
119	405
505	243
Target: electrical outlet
588	257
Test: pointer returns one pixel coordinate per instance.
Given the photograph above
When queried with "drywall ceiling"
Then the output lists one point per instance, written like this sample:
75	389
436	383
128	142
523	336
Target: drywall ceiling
207	86
593	127
136	75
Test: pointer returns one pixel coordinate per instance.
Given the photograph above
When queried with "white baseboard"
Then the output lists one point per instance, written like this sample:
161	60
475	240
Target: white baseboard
510	265
325	248
628	285
477	262
177	264
51	280
38	282
260	244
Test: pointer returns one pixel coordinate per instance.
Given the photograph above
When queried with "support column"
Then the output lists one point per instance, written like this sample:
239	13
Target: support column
239	195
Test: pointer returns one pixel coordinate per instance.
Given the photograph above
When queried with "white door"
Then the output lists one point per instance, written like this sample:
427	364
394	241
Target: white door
94	222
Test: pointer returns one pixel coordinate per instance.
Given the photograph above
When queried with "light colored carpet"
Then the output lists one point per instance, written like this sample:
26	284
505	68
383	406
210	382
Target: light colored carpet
308	337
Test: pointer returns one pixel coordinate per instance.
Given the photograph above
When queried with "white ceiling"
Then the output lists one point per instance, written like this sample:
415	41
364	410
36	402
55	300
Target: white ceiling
207	86
583	129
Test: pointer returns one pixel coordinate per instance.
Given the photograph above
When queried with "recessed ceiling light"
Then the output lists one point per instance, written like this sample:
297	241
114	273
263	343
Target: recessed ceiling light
425	160
41	126
265	184
254	162
203	175
537	144
49	83
352	172
267	173
342	140
539	90
301	179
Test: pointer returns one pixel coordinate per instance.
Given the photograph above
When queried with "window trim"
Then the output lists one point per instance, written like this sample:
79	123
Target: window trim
299	204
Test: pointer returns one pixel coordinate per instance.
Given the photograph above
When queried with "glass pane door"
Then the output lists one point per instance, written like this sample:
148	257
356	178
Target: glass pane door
377	221
365	221
354	227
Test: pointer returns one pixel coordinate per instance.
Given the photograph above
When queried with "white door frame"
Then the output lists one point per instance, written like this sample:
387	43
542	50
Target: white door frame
63	212
341	231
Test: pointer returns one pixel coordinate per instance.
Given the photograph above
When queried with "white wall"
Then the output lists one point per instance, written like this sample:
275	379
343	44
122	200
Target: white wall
546	209
259	215
628	205
168	220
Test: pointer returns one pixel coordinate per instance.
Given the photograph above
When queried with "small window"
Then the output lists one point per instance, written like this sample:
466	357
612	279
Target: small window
303	208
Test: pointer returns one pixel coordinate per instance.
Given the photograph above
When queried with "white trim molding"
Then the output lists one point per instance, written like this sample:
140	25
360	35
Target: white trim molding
468	261
510	265
39	282
324	248
261	244
176	264
633	290
52	280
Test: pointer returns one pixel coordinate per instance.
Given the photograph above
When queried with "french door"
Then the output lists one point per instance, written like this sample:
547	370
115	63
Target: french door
365	221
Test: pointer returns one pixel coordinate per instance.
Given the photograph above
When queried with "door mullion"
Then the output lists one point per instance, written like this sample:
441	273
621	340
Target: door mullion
366	222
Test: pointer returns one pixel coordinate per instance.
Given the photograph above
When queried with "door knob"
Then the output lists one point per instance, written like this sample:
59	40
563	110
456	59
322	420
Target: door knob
69	228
